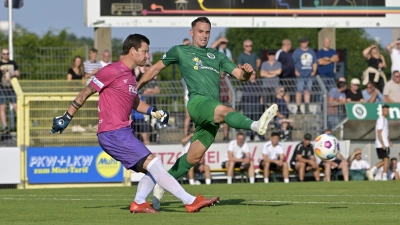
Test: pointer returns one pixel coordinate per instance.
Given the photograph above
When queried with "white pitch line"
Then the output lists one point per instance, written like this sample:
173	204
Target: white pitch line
348	203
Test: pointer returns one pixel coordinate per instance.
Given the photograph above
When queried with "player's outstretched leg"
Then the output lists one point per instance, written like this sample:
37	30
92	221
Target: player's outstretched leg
239	121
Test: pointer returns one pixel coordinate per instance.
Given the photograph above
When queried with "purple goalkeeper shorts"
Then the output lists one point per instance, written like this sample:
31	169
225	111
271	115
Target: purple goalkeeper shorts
123	146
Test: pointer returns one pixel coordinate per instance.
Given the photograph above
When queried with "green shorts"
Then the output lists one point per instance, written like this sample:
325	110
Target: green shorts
201	110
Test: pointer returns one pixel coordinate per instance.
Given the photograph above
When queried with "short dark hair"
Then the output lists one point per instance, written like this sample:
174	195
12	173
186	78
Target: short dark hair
93	50
385	106
134	41
341	84
396	71
201	19
240	133
372	83
185	39
273	134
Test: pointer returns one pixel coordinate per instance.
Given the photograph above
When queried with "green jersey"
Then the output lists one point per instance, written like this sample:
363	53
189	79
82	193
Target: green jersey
200	67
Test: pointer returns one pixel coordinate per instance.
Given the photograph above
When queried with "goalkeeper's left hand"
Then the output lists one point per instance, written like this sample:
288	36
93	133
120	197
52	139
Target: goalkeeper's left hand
161	115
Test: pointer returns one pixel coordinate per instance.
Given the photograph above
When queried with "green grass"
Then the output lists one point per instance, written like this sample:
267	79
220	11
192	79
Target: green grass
360	202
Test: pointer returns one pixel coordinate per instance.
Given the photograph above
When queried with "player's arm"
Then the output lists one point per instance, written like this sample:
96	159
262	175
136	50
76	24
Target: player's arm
61	122
232	158
243	73
144	108
186	139
150	74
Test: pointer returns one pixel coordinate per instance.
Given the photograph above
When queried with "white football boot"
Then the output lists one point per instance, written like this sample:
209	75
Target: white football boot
265	118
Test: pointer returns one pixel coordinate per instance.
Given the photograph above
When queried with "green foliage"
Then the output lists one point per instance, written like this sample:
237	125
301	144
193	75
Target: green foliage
353	40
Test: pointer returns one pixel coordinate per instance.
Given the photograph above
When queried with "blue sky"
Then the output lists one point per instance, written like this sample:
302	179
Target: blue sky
41	15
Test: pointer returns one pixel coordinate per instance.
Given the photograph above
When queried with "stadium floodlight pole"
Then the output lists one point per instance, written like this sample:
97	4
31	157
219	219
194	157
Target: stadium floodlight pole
10	31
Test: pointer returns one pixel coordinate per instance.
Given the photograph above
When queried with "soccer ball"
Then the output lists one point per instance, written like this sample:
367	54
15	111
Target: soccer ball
326	146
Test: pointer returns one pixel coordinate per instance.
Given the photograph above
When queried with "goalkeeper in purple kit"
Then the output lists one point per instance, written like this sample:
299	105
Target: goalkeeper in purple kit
116	85
201	68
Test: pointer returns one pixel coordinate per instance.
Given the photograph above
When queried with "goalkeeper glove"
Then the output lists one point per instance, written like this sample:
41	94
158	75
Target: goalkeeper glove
161	115
60	123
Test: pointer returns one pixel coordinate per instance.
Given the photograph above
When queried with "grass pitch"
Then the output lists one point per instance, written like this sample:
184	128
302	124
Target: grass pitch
360	202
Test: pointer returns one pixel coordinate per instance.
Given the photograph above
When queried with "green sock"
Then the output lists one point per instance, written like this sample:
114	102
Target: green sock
180	168
239	121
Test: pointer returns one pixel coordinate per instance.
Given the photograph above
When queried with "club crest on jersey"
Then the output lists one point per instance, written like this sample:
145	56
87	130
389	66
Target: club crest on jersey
210	55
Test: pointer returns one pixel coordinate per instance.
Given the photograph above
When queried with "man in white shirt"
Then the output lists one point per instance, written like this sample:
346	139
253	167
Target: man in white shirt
105	58
238	156
382	142
359	166
274	159
200	167
394	51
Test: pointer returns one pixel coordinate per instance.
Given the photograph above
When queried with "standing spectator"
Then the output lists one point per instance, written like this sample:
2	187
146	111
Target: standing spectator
376	63
358	166
248	56
270	71
76	70
252	103
336	101
220	45
225	98
327	57
371	94
354	93
105	58
394	51
91	67
338	163
287	75
306	67
8	70
238	156
392	89
141	125
200	167
382	142
303	158
273	159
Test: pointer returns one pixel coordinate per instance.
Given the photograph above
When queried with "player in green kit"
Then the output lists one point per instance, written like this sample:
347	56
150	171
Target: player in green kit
201	68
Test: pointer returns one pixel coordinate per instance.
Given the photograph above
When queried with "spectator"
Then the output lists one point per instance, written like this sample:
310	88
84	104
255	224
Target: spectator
273	159
186	41
252	103
141	125
338	163
283	111
376	63
76	70
394	54
8	70
305	69
336	101
238	156
287	75
105	58
225	98
285	132
382	142
248	56
327	57
151	89
393	172
220	45
354	93
303	158
91	67
199	168
392	89
270	71
359	168
371	94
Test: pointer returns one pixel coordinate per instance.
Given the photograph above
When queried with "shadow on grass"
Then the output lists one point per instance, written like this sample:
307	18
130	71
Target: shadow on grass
337	207
246	202
165	206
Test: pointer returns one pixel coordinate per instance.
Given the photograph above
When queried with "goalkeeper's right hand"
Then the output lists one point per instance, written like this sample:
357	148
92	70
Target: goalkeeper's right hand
60	123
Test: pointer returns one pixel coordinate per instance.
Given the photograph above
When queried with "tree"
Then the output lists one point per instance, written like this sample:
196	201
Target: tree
353	40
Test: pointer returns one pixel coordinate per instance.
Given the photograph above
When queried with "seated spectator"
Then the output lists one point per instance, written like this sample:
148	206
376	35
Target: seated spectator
354	93
270	71
392	89
285	132
141	126
393	172
92	66
303	158
376	63
199	168
338	163
273	159
371	94
359	168
238	156
283	111
336	101
105	58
